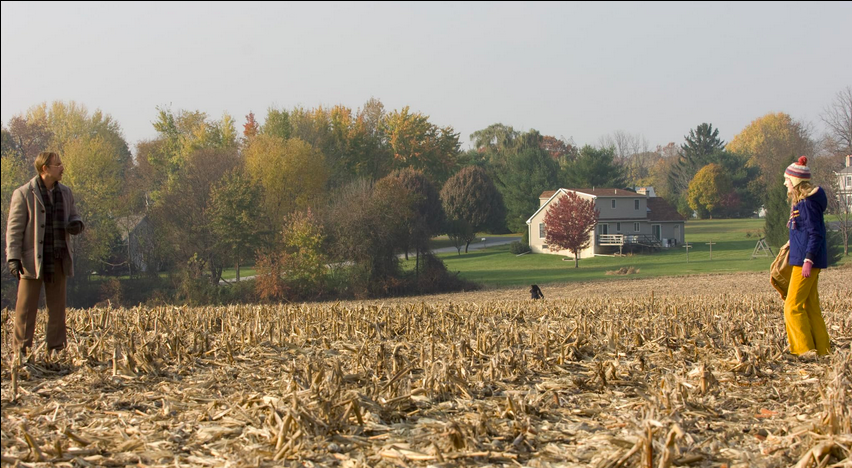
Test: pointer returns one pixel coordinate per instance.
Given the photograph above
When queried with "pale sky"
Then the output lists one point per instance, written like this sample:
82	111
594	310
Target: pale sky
572	70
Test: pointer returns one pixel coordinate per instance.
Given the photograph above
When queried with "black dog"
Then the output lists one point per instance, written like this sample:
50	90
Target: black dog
535	292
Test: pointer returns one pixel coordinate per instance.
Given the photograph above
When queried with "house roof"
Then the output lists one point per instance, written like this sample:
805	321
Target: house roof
597	192
128	224
660	210
845	170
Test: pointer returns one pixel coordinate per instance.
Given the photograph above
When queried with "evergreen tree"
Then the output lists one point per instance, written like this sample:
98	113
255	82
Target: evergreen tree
777	214
699	149
521	180
594	168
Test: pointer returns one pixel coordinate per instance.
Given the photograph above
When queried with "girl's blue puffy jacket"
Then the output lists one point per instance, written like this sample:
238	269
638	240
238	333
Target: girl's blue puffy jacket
807	230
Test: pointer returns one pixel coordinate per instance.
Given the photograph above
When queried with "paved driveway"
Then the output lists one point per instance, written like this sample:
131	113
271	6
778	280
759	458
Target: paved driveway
479	244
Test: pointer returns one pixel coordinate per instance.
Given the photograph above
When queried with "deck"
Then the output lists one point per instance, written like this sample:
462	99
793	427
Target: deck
620	240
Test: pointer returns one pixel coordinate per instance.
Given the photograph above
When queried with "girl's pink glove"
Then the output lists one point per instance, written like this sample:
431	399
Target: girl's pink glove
806	269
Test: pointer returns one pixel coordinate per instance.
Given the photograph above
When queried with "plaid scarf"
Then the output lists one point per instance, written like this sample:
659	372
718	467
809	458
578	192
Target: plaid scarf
54	230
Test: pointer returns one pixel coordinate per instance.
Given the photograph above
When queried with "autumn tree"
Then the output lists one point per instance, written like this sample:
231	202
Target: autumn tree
235	216
26	137
569	223
771	142
97	161
95	169
184	212
658	174
367	225
277	123
558	148
373	158
709	191
304	263
180	134
14	172
428	219
251	127
291	172
419	144
471	203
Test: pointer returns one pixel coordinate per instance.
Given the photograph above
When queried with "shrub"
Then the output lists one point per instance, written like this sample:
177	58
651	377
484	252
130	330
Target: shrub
623	271
269	284
518	248
111	290
835	247
435	278
193	287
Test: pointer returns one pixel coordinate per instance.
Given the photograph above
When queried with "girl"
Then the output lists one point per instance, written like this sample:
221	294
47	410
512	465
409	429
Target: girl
806	329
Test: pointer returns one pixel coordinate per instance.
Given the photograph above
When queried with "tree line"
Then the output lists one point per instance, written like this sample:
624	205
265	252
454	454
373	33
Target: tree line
322	201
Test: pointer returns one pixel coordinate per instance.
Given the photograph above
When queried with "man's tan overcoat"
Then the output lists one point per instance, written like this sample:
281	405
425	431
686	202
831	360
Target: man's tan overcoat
25	230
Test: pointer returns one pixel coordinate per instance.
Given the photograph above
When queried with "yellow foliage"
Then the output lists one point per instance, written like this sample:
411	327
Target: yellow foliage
292	173
771	142
709	189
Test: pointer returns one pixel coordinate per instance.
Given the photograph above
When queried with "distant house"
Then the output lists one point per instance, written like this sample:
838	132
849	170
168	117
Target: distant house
135	235
626	219
646	191
844	185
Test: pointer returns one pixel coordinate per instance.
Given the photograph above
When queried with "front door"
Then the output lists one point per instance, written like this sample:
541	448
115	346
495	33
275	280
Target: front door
604	229
657	231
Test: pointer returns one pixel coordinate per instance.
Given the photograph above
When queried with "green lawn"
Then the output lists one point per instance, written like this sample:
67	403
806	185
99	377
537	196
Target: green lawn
734	242
231	273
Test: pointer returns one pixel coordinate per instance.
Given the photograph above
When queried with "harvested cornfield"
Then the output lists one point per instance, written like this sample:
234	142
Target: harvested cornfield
680	371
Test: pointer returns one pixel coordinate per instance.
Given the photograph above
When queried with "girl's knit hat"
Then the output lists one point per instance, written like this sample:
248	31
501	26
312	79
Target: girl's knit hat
799	171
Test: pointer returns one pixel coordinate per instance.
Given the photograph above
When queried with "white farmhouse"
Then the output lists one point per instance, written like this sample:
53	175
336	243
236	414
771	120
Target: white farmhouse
626	219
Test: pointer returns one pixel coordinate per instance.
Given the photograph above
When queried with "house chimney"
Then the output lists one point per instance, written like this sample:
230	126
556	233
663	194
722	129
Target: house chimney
848	160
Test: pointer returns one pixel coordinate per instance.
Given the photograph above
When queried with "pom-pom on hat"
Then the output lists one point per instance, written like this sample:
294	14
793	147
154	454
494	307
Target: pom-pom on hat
799	171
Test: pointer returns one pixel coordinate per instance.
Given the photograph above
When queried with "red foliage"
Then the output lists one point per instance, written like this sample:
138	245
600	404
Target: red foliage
251	128
556	148
570	221
269	284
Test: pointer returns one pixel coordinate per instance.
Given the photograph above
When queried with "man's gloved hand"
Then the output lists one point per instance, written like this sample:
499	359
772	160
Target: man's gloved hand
15	267
75	227
806	269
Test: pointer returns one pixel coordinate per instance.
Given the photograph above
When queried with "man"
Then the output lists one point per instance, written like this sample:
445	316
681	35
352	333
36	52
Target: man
42	216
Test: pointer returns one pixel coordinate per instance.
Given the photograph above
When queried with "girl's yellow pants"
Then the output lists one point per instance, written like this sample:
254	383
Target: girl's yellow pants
805	326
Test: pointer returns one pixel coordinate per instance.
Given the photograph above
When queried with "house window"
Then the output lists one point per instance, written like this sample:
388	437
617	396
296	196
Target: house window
613	203
848	181
635	204
635	227
541	232
617	227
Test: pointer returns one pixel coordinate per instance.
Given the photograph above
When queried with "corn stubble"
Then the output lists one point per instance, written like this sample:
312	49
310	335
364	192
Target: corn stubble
664	372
